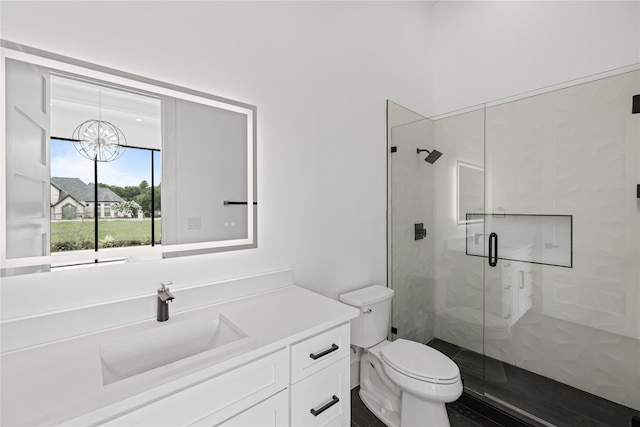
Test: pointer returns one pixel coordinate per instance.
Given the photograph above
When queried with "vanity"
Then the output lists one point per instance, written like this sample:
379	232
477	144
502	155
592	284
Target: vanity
249	351
255	350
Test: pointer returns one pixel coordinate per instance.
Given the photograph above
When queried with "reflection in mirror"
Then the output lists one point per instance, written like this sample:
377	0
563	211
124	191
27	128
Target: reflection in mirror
127	171
470	191
175	168
215	137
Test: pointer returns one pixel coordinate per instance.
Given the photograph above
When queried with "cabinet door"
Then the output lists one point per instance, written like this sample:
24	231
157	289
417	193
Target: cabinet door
324	398
273	412
214	400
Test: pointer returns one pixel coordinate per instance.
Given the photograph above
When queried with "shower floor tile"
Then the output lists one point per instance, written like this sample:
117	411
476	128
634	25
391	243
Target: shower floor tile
546	399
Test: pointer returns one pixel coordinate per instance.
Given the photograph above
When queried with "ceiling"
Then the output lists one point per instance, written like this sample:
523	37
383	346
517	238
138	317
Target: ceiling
137	115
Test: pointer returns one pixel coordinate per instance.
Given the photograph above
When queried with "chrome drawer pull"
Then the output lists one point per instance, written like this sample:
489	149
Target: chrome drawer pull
324	353
334	400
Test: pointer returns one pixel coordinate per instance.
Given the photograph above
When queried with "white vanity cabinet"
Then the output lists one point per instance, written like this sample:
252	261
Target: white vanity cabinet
291	368
320	375
304	385
216	400
273	412
516	288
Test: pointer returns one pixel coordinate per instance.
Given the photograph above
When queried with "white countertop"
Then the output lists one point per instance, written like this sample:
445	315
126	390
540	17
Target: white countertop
62	380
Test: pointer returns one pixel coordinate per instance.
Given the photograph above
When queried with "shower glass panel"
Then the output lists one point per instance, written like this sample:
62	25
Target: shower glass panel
411	193
459	288
549	327
438	289
573	151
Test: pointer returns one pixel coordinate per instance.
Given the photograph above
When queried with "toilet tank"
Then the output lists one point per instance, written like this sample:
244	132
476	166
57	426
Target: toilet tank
372	326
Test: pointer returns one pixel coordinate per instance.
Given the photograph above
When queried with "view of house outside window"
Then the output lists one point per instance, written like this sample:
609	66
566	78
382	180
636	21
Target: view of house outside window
124	207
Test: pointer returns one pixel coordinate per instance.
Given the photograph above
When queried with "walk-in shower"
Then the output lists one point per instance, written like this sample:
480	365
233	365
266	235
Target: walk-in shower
544	318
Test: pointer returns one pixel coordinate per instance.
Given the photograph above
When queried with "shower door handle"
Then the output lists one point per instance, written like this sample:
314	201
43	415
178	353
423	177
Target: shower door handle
493	249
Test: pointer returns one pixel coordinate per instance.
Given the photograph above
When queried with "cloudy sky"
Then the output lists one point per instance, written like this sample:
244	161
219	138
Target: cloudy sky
132	168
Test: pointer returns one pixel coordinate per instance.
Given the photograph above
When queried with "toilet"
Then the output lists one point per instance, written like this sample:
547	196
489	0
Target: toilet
404	383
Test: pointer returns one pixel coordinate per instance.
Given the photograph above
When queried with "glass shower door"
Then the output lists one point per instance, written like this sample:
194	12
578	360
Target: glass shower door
459	188
562	285
411	269
438	288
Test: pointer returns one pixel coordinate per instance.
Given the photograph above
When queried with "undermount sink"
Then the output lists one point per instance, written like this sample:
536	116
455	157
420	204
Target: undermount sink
164	344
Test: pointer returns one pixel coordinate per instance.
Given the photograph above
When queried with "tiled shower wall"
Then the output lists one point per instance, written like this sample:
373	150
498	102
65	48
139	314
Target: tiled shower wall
573	151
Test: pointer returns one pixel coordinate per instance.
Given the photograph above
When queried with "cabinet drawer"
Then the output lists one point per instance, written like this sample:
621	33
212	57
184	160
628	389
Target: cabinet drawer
324	398
217	399
316	353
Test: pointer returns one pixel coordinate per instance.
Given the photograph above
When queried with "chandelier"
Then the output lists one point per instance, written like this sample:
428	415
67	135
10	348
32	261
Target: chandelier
99	140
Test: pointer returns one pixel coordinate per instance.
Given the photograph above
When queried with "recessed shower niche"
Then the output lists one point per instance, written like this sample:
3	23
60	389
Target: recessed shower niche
538	239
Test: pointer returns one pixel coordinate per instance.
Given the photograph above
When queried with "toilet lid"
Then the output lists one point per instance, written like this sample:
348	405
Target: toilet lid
420	361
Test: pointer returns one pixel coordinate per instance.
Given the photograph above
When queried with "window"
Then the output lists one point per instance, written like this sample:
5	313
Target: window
128	208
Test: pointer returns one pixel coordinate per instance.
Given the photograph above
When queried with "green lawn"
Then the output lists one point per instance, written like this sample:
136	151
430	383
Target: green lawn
75	235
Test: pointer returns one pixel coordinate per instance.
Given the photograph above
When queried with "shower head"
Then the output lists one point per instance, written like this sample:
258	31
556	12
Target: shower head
432	157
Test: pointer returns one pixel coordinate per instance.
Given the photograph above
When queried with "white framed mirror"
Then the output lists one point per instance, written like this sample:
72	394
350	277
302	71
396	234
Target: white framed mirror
175	168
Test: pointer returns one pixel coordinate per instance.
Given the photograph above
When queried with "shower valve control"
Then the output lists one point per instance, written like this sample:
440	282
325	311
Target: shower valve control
419	231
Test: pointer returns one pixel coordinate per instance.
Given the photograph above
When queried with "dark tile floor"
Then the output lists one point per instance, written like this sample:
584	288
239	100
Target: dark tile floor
551	402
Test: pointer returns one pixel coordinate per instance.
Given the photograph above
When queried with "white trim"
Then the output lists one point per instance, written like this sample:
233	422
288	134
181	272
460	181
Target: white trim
3	160
123	81
107	253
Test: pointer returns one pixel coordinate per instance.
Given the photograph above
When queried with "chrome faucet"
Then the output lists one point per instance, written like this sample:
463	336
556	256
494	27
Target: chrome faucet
164	296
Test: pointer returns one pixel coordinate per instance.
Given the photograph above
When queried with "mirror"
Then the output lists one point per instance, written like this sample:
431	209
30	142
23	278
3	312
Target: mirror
175	168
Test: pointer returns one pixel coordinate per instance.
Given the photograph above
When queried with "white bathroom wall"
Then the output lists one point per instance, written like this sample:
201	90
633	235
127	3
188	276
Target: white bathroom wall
319	73
488	50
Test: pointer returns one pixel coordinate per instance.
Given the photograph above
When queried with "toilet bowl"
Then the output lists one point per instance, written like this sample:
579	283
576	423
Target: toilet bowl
404	383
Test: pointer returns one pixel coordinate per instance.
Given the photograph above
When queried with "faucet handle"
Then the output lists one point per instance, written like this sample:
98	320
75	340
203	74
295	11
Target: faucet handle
164	294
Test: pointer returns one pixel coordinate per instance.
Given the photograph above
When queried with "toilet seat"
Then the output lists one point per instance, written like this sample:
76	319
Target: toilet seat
420	362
